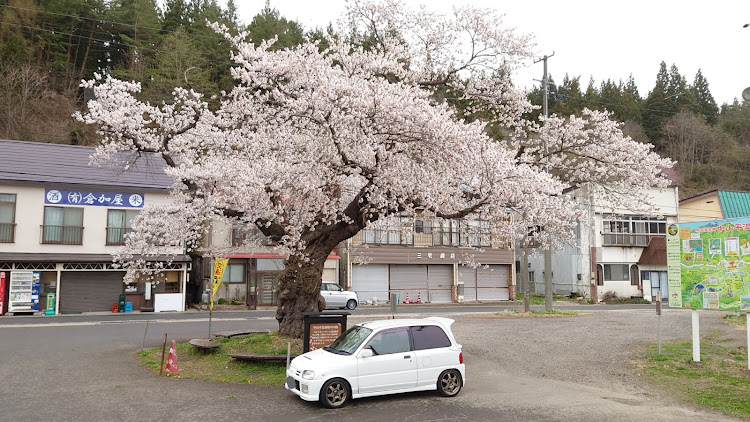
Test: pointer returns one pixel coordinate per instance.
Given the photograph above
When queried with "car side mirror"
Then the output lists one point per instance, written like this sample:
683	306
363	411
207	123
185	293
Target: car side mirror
366	353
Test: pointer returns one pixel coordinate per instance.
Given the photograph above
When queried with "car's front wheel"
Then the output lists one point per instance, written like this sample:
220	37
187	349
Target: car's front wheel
351	304
449	383
335	393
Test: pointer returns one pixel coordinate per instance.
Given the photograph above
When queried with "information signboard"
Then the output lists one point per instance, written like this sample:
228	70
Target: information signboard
321	329
709	264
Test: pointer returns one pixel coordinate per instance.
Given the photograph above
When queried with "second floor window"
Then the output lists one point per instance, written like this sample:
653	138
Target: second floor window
429	232
627	230
119	223
7	217
63	225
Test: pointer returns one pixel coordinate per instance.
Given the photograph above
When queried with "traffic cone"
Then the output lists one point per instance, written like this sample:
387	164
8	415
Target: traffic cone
419	297
172	367
406	299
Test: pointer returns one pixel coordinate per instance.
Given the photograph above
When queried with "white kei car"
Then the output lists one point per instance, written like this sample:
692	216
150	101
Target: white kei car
381	357
336	297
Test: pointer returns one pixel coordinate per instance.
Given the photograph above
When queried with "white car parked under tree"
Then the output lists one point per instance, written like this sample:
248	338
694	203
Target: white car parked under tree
336	297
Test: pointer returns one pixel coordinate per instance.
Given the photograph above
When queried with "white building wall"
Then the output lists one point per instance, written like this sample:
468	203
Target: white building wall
30	218
571	266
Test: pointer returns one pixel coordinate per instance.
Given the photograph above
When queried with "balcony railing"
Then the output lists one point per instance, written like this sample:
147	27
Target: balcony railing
628	239
116	235
7	232
432	237
62	235
239	235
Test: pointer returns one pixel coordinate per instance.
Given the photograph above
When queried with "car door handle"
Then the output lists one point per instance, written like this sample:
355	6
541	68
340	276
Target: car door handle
407	357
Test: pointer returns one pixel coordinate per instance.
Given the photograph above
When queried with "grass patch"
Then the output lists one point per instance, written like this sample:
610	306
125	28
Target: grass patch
627	301
735	319
720	381
217	366
539	299
509	313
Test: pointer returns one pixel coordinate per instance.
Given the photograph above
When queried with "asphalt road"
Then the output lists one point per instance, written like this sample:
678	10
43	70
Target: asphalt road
82	368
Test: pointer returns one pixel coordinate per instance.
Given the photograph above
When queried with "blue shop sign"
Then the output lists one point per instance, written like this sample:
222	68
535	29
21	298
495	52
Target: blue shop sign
87	197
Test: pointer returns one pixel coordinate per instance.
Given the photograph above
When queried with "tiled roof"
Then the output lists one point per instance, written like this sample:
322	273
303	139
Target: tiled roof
60	164
735	204
655	253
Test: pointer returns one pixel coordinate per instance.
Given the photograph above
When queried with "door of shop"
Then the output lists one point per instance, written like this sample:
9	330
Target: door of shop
492	282
467	277
409	279
439	280
90	291
370	281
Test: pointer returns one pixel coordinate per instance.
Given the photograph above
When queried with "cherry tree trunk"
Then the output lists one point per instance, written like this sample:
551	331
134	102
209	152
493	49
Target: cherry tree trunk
299	291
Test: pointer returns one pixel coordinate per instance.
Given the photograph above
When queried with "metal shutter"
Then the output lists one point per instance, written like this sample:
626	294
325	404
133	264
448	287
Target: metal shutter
370	280
90	291
439	280
409	279
492	282
468	276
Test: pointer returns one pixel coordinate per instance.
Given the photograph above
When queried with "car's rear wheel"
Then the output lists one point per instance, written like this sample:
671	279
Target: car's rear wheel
335	393
449	383
351	304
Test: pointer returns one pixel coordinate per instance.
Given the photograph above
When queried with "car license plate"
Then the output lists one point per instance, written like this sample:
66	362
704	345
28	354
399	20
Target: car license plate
290	383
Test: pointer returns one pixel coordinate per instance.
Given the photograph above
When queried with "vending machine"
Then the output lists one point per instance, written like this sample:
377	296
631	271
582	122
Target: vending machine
23	292
2	293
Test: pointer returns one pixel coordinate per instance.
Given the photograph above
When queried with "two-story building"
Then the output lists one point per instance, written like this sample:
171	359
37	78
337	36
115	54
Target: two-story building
252	273
617	250
60	221
427	260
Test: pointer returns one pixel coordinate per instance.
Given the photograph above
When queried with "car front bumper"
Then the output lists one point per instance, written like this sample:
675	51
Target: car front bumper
308	390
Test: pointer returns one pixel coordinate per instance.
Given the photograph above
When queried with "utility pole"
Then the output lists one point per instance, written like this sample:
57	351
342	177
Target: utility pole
547	250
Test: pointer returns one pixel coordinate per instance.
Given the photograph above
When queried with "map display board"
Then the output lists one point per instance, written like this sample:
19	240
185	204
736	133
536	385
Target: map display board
709	264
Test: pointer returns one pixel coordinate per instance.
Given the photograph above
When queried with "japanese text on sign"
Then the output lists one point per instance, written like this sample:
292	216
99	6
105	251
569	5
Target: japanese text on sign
323	334
93	198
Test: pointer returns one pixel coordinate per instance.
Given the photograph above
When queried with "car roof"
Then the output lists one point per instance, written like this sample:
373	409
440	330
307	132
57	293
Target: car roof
393	323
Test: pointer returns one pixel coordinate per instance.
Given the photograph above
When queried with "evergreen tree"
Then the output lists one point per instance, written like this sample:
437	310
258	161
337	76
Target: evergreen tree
268	23
655	109
630	109
178	61
570	98
591	97
175	15
610	98
134	27
678	96
706	105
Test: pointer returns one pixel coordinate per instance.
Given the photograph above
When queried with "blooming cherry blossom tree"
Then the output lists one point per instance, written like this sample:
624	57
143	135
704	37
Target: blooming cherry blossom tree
314	143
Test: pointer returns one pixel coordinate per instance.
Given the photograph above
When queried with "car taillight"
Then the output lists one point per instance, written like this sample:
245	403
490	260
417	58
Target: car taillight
460	358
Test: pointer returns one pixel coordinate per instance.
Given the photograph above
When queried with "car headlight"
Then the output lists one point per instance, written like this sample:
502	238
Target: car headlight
308	375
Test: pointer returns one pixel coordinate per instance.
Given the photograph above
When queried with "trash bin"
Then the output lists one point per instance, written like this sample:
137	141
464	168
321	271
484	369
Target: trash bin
121	303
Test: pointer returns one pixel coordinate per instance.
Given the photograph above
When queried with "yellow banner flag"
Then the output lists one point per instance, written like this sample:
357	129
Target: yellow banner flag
219	266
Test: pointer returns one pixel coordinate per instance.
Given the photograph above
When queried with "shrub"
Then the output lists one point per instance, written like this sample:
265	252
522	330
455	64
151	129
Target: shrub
236	301
609	296
222	301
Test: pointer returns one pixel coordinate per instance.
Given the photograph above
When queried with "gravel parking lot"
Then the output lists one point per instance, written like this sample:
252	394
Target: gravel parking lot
586	360
569	368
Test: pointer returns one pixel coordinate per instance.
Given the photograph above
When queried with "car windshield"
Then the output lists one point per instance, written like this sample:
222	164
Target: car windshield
348	342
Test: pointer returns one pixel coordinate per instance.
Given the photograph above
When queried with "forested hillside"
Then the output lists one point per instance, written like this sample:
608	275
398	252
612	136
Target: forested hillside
711	144
48	46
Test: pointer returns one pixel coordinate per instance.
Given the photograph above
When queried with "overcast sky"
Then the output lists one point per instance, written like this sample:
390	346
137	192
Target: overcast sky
602	39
